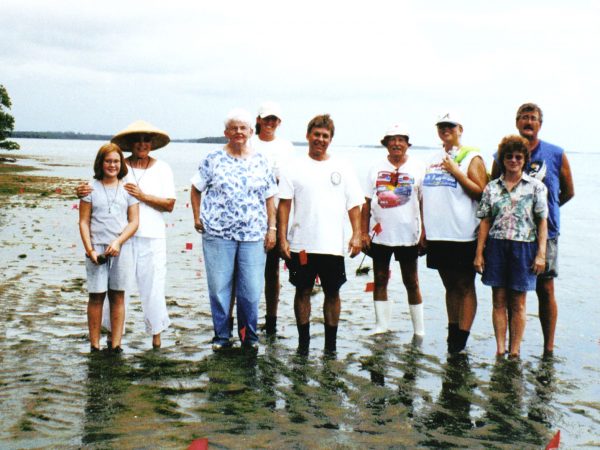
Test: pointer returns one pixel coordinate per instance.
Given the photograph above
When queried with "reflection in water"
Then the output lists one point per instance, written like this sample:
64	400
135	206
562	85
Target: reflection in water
108	380
451	414
541	408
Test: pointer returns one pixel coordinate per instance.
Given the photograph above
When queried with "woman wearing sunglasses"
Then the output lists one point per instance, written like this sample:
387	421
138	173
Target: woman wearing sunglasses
151	182
454	180
512	241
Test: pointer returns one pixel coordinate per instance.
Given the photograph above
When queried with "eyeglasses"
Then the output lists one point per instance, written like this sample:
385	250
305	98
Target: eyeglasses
446	125
141	137
515	156
527	117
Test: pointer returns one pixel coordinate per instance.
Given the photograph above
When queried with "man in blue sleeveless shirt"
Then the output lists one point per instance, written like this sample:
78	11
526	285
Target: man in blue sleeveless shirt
549	164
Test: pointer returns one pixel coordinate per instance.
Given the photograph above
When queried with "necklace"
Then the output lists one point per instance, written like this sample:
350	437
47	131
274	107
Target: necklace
137	180
114	198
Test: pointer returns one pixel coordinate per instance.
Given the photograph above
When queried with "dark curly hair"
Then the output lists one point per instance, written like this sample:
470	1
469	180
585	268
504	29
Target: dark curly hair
512	144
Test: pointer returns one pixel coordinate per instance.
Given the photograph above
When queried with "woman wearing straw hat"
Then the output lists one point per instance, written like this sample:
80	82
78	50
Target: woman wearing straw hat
237	220
454	181
151	182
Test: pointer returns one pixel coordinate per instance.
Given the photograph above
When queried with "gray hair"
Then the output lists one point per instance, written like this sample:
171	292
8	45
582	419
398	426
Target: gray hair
239	115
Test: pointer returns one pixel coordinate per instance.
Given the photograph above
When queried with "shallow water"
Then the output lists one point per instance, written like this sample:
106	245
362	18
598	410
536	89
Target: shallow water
383	391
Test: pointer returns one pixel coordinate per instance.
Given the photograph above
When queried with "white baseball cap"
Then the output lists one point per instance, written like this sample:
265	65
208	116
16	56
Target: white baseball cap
449	117
269	109
397	129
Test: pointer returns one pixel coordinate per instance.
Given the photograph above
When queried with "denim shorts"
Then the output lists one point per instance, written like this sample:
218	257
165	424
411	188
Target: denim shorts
508	264
330	269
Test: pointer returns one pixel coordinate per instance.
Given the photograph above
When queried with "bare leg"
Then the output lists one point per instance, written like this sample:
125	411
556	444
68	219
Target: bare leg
499	318
117	315
332	306
518	320
548	311
410	278
94	316
381	271
302	305
461	300
272	285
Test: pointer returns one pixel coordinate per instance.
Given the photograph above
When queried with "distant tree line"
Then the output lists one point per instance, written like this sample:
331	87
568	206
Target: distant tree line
99	137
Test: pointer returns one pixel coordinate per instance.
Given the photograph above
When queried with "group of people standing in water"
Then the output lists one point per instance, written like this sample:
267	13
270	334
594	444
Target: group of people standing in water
256	201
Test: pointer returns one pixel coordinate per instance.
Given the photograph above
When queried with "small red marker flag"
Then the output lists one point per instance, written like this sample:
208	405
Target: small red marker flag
303	258
377	228
243	334
75	206
199	444
22	190
554	444
58	191
188	246
370	287
285	268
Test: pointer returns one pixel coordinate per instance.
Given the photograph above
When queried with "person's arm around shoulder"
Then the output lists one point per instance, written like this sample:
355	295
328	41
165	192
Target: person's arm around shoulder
133	218
567	188
83	190
162	204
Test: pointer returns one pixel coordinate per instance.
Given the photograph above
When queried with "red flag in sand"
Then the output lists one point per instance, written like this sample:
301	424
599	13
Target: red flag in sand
188	245
370	287
554	444
58	191
75	206
199	444
22	190
377	228
243	334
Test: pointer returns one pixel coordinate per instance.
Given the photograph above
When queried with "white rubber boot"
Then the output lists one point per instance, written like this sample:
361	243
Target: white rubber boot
416	315
382	316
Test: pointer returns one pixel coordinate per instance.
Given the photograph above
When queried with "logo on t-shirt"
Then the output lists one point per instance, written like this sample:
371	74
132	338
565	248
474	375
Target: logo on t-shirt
393	188
437	176
537	170
336	178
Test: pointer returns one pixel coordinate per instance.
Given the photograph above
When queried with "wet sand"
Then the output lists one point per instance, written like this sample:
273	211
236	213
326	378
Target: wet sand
383	391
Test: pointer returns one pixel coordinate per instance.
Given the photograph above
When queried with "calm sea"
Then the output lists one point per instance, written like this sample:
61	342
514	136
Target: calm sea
383	391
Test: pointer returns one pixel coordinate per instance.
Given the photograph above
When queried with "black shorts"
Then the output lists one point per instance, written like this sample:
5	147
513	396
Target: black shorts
330	269
383	253
451	254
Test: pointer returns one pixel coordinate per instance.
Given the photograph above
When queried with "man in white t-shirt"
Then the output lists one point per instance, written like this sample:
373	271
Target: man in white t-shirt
324	190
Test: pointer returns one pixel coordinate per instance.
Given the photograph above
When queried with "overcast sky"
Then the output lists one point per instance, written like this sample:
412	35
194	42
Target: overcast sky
90	66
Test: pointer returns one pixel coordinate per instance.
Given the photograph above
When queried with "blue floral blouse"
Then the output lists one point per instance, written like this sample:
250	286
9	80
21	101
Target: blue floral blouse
514	213
235	193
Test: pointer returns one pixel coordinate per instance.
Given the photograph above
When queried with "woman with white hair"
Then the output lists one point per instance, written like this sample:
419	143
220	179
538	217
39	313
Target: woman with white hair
237	222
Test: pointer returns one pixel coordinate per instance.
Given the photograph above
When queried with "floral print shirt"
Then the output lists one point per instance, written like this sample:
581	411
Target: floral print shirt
235	193
514	213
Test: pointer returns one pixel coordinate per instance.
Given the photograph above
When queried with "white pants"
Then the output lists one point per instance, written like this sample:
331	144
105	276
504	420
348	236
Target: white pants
150	256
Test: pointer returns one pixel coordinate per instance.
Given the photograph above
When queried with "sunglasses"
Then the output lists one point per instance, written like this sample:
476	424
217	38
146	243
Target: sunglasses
141	137
515	156
446	125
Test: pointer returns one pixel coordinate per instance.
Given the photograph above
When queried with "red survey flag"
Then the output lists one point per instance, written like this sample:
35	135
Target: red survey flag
554	444
243	334
377	228
188	245
370	287
199	444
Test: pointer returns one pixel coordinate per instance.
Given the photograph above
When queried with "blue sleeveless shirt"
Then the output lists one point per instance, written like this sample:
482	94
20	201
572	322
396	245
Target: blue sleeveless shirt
545	165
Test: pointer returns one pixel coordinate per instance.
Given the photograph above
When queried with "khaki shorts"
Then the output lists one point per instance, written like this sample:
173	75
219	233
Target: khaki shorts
116	274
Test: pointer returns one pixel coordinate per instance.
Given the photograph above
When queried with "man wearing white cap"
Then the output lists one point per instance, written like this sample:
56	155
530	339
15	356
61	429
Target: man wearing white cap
391	224
278	152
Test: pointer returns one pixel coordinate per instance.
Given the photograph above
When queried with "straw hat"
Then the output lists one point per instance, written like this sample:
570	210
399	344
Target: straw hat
159	137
